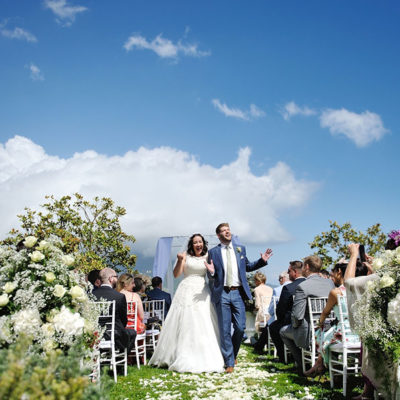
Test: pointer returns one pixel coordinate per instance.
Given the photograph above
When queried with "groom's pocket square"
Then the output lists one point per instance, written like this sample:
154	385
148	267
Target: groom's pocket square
241	257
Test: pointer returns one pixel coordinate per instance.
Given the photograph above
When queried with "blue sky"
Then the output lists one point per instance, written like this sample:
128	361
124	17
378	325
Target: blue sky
275	116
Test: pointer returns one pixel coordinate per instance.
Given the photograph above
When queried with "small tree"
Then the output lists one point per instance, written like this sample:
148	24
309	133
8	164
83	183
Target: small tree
332	245
90	229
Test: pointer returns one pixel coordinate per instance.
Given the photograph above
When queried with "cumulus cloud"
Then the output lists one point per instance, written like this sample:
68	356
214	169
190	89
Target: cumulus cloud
166	191
65	13
291	109
246	115
36	74
362	128
18	33
164	48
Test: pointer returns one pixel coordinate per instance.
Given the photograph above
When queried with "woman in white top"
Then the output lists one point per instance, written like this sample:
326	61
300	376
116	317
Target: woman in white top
263	295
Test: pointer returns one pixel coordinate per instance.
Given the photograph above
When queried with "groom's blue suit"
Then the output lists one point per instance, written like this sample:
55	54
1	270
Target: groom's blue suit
229	303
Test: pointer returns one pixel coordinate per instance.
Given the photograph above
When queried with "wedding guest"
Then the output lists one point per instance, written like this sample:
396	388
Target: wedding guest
262	295
94	278
125	286
140	288
276	293
124	338
324	339
285	306
158	294
296	335
325	274
355	288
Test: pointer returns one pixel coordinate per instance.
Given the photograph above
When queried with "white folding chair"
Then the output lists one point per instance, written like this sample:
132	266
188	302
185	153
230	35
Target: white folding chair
153	309
315	305
344	355
140	341
108	353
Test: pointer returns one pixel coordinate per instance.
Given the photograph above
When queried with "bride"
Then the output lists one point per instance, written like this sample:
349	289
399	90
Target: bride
189	339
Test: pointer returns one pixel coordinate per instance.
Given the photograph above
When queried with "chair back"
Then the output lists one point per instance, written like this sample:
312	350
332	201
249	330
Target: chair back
132	313
106	311
154	308
315	308
343	317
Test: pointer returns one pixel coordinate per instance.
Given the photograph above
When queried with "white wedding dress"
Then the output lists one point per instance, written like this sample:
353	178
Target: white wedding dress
189	339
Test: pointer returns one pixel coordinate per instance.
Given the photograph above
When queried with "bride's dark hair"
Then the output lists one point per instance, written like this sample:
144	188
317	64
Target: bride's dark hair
190	248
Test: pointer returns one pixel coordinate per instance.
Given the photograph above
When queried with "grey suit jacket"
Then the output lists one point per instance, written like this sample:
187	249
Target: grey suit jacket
313	286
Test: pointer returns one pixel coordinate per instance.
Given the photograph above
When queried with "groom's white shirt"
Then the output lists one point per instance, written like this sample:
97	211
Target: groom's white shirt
235	270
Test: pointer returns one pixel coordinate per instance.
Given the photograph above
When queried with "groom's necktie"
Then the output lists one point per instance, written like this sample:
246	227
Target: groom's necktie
228	267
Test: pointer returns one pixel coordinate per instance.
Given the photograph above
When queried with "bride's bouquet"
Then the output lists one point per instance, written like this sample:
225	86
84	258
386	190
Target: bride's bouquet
377	317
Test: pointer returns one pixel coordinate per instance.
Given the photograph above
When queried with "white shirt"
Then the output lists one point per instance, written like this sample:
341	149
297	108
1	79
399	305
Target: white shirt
235	270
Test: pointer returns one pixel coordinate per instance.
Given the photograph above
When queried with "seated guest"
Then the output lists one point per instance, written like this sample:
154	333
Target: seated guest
125	285
94	278
262	295
325	274
262	341
158	294
124	338
333	335
285	305
140	288
296	335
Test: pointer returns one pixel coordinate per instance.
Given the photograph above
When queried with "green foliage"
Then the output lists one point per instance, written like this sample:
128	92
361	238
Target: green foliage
24	374
332	245
90	228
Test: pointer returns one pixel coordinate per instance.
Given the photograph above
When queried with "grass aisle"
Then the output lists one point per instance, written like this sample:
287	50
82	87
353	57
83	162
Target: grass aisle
255	377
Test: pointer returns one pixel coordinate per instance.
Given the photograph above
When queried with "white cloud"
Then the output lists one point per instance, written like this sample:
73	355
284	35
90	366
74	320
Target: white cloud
253	113
164	48
291	109
65	13
165	191
18	33
36	74
362	128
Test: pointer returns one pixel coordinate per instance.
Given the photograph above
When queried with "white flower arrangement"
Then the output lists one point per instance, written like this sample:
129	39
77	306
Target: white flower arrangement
40	296
377	311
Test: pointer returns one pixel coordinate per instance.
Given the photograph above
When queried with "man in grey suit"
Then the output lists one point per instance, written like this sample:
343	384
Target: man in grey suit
297	334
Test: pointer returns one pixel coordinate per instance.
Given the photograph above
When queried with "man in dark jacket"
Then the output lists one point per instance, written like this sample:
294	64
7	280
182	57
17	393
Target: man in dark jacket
124	338
158	294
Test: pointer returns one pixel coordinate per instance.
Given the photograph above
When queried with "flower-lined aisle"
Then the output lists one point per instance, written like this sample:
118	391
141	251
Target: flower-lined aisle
254	377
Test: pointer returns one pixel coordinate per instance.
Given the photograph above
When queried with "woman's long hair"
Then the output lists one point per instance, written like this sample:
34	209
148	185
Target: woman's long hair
123	281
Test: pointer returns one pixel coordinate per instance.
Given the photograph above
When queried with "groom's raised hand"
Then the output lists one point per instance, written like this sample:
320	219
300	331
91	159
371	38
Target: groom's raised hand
210	267
266	255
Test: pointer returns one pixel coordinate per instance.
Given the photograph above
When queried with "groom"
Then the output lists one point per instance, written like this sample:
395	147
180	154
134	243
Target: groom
227	266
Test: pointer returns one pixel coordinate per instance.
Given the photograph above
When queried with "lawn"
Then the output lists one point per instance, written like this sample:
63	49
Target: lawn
255	377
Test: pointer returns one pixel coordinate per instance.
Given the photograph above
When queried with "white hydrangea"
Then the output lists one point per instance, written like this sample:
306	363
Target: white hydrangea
68	323
26	321
394	312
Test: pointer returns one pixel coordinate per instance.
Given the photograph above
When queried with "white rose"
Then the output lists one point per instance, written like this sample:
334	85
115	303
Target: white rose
36	256
68	260
77	293
386	281
30	241
43	245
50	277
59	291
9	287
4	300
